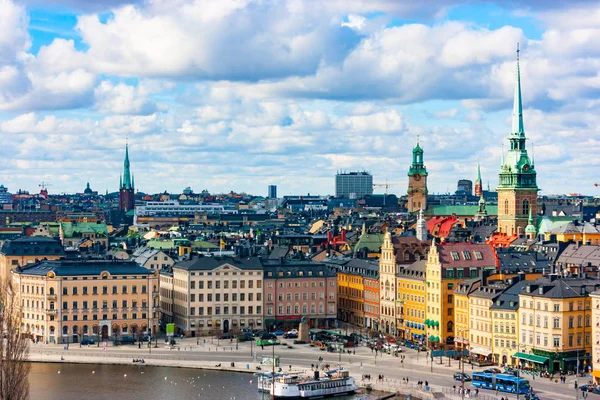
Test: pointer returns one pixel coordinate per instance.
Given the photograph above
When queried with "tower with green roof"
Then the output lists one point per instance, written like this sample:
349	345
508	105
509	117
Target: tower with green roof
126	185
517	188
417	182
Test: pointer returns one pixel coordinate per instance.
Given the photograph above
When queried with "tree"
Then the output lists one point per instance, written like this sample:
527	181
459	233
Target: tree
14	347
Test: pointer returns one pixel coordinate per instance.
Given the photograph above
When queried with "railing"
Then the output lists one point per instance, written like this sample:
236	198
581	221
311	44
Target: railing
51	297
51	312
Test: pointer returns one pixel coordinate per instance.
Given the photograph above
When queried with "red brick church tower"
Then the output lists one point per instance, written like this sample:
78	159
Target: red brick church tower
126	186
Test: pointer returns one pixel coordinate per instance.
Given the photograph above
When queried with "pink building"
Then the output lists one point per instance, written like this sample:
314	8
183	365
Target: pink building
299	288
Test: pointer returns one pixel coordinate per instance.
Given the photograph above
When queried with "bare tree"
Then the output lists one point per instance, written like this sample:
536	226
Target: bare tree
14	347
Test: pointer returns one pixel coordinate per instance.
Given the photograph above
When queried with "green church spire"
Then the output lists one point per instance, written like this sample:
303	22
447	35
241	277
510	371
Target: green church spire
478	173
126	172
517	116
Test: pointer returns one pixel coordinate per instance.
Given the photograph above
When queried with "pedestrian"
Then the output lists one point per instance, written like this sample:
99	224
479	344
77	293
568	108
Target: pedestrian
426	383
454	388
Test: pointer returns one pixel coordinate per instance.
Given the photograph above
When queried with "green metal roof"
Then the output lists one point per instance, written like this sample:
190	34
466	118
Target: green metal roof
372	242
446	211
76	229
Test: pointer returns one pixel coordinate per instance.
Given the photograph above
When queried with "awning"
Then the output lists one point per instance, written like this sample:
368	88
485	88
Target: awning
483	351
530	357
427	322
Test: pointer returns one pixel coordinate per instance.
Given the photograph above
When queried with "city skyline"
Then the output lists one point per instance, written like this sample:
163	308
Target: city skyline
241	95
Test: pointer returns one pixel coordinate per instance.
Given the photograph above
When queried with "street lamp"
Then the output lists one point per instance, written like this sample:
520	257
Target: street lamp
518	347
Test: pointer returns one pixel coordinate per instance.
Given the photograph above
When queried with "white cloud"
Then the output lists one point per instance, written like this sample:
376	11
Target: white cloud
451	113
122	99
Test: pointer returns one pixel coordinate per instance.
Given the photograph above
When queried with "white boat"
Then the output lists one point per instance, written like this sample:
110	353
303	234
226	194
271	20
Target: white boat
291	386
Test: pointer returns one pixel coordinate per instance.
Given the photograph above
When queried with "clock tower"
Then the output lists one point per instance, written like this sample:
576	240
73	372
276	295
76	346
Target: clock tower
417	182
517	188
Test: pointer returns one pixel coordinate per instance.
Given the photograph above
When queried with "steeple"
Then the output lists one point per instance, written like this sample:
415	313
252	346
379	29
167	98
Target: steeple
126	172
132	182
478	172
517	116
478	183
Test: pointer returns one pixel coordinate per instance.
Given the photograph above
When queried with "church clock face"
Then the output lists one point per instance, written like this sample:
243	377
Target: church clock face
417	177
525	167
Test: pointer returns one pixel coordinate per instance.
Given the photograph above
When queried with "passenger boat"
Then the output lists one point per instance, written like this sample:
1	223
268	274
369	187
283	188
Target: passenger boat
291	386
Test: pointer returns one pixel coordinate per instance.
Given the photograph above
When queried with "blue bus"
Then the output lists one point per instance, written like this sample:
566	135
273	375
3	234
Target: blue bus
500	382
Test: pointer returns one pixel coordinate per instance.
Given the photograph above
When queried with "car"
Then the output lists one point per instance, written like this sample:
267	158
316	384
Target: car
290	335
85	342
144	338
492	371
127	340
226	336
278	333
245	337
258	333
459	376
531	396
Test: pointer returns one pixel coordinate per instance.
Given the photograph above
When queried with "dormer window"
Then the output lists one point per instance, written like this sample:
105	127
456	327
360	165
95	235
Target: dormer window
467	255
478	255
455	256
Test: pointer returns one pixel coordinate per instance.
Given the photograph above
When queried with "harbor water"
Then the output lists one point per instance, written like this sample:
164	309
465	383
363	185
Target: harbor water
57	381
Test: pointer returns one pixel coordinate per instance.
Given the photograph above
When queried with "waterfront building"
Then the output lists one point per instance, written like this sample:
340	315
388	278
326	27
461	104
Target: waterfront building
396	252
417	182
447	265
204	295
556	323
126	186
351	274
595	303
27	250
64	301
505	319
299	288
353	185
75	233
517	188
411	282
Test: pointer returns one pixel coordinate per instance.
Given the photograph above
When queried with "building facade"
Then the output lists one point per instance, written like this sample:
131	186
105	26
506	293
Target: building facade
353	185
417	182
517	188
411	296
27	250
212	294
556	323
64	301
299	288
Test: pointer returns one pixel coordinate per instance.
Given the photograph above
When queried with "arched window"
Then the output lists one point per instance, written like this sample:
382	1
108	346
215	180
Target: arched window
51	290
450	326
506	207
525	207
65	330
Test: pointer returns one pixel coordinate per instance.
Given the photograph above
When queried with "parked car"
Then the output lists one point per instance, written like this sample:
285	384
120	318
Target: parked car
85	342
144	338
458	376
531	396
258	333
226	336
245	337
127	340
291	334
278	333
492	371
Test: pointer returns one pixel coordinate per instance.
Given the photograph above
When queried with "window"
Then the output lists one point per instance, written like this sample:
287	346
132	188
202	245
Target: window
571	322
525	207
506	207
104	289
466	255
557	308
556	324
65	290
455	256
478	255
114	290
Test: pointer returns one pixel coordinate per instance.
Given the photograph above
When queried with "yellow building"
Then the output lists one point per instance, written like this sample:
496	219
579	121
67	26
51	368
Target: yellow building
448	265
27	250
461	311
555	323
350	297
505	320
411	294
64	301
480	319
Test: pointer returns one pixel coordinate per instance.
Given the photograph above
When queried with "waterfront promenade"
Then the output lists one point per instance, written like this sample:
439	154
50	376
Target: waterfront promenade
400	374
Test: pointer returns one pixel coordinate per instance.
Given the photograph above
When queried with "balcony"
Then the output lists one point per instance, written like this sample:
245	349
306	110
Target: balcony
155	309
51	297
155	294
51	312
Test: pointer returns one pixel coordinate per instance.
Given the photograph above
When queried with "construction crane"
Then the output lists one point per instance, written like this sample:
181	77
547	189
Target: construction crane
44	185
386	185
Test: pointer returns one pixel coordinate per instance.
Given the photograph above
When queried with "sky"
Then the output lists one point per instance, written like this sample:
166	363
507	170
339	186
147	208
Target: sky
241	94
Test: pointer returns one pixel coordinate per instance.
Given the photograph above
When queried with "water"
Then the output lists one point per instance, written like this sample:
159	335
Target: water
108	382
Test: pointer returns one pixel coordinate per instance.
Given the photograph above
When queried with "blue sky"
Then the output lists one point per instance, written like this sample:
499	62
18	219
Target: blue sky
237	95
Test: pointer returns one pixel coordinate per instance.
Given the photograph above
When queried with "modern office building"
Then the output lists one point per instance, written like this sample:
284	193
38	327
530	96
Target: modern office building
272	191
353	185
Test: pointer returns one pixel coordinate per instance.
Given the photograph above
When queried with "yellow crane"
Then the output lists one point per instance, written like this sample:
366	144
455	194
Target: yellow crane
385	185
